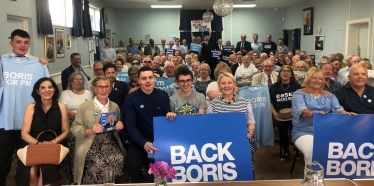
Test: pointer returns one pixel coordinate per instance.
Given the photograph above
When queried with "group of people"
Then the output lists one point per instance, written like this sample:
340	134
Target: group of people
201	86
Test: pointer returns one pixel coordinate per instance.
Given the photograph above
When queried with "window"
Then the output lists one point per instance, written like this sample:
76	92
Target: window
95	18
61	12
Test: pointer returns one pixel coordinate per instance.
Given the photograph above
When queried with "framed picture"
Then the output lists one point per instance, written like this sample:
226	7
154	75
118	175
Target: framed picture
308	21
68	41
60	49
319	41
49	48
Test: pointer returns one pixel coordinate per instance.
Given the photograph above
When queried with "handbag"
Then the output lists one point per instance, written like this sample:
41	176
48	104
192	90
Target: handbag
42	154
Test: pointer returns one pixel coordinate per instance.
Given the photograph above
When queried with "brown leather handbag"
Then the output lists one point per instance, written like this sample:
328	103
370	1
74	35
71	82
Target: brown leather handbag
42	154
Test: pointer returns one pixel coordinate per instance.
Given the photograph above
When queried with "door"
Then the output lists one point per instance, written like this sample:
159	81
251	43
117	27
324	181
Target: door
363	39
357	37
114	41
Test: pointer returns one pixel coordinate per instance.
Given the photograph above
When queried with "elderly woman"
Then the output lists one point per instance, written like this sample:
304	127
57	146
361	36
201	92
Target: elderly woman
46	113
305	103
212	91
204	80
281	98
133	83
97	151
263	56
228	101
120	65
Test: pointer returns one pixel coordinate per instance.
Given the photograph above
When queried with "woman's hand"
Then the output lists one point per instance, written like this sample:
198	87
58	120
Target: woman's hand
97	128
251	130
348	113
276	114
171	115
119	125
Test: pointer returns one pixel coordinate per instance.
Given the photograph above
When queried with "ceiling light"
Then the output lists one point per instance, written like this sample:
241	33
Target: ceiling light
166	6
244	6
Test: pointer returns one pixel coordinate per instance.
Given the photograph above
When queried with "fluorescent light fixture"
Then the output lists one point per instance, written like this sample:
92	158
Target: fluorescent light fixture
166	6
244	6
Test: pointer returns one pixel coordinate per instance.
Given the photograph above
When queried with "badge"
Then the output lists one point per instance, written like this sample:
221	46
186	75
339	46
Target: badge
115	88
323	102
141	106
364	96
96	113
369	100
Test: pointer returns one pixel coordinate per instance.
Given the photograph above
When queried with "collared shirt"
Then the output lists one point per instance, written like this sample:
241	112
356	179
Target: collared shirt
162	48
340	78
257	47
26	55
80	69
245	72
283	49
101	107
334	86
108	53
133	49
185	48
180	48
352	102
344	71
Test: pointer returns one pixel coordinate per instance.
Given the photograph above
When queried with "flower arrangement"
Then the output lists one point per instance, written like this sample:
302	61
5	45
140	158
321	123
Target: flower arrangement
162	171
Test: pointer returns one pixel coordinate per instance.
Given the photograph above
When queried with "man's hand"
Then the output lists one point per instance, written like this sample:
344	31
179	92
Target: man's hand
148	147
210	31
44	62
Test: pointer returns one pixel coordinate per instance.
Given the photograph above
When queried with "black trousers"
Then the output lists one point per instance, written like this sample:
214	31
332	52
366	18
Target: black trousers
10	140
136	157
283	127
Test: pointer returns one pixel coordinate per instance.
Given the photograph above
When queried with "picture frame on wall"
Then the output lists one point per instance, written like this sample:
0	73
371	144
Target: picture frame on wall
68	41
308	21
60	49
319	42
49	48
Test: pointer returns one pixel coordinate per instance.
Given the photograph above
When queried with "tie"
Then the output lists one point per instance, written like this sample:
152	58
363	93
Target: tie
220	47
269	81
241	48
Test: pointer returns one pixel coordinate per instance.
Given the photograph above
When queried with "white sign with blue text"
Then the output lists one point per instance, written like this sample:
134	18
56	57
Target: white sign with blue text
205	148
123	76
344	145
163	83
200	26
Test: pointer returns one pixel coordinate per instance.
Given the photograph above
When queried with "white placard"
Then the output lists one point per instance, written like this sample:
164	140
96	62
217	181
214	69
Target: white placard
200	26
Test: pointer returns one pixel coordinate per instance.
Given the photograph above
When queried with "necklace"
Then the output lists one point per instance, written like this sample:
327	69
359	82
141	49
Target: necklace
314	96
287	86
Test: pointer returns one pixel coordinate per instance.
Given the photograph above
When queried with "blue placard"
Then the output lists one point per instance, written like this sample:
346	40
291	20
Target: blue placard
215	53
163	83
202	152
344	145
169	52
108	121
194	47
227	49
123	76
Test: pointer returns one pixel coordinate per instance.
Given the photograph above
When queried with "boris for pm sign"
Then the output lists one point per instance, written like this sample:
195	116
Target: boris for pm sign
205	148
344	145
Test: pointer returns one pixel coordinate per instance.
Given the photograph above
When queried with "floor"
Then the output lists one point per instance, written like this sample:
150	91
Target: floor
268	165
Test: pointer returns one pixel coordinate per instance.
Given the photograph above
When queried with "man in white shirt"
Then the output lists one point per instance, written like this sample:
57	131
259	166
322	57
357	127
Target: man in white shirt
336	75
351	60
163	46
268	76
107	54
246	69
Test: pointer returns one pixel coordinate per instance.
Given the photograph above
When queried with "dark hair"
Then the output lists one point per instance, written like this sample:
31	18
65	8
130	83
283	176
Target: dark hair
182	71
337	59
73	55
36	87
292	78
109	65
144	69
20	33
280	39
120	59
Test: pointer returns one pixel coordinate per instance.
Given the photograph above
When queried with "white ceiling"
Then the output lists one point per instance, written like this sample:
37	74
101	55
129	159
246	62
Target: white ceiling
197	4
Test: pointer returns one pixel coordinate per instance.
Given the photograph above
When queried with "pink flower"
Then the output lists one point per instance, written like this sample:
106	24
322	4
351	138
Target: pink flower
162	170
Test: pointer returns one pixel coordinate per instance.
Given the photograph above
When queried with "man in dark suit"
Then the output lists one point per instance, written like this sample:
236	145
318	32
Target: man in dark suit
120	88
111	122
75	59
243	45
151	49
205	55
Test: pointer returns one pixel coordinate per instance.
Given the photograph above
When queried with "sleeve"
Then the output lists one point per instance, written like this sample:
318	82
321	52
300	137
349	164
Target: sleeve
172	106
1	72
114	55
237	72
211	86
64	80
46	72
202	102
272	93
273	46
102	55
298	105
77	127
130	118
249	113
339	94
335	106
255	79
209	110
237	47
261	48
64	98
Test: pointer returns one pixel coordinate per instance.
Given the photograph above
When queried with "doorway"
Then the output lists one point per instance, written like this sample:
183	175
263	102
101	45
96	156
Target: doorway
114	41
16	22
357	38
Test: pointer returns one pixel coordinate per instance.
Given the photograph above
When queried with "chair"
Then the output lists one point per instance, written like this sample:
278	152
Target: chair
294	159
66	164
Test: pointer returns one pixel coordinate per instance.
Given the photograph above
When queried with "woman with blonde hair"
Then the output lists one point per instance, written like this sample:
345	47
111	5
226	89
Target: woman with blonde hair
366	64
309	101
212	90
300	66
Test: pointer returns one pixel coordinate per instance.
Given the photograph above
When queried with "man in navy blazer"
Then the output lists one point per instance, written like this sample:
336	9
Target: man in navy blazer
243	45
75	59
119	89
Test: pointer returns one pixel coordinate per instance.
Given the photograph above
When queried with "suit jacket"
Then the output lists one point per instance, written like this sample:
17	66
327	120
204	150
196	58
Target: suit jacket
65	76
260	78
87	116
108	124
205	51
247	46
119	93
148	50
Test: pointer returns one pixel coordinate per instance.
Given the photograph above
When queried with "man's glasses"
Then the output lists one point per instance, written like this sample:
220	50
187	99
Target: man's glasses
185	81
98	69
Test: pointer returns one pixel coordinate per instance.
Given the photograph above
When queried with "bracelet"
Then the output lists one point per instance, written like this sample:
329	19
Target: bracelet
37	142
56	140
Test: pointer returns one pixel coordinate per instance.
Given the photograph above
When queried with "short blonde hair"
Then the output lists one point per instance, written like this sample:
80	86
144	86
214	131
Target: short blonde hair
226	74
309	75
364	63
220	66
101	78
204	65
306	66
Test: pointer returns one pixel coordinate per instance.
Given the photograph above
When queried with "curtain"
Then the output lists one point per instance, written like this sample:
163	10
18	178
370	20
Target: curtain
44	18
102	24
213	37
97	48
87	29
296	39
77	18
285	37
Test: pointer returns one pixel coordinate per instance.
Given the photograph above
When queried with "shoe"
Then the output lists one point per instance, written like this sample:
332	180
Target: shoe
285	156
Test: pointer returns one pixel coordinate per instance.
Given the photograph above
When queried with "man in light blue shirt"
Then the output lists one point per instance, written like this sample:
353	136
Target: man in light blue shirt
163	46
256	46
132	48
107	54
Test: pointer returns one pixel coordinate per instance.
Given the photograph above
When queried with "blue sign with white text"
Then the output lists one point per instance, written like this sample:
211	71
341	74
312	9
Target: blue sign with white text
169	52
205	148
123	76
344	145
215	53
195	47
162	83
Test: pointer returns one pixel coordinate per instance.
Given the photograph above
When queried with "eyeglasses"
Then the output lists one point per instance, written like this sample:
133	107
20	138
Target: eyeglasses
135	63
133	74
147	61
286	71
103	87
185	81
78	80
98	69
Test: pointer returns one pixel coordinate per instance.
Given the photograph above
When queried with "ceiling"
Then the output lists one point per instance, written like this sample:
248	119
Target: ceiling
197	4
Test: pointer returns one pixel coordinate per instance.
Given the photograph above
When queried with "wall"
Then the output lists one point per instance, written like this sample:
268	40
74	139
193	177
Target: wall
136	23
331	16
262	21
27	9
